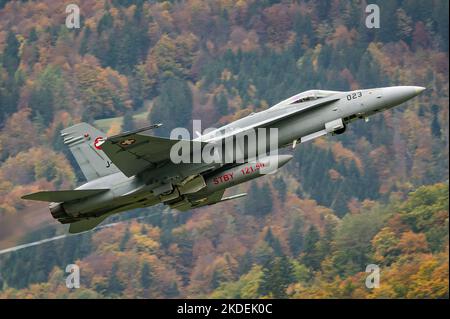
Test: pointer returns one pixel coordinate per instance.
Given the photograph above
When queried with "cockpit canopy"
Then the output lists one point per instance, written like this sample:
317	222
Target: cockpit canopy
305	97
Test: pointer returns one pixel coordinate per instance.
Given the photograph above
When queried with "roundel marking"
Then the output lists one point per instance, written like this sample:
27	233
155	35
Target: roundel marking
98	142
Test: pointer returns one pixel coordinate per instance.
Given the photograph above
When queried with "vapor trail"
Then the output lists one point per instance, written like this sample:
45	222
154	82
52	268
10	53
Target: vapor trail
15	248
43	241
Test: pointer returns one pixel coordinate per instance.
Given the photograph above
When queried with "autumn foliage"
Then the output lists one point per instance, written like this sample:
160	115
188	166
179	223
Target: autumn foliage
377	194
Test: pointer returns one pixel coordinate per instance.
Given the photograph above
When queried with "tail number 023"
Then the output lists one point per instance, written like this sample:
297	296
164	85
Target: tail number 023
354	95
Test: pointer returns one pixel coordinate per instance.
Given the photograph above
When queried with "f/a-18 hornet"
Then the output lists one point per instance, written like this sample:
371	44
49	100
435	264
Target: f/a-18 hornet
134	169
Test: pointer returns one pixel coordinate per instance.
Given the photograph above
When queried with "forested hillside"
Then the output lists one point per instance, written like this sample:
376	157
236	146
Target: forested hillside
377	194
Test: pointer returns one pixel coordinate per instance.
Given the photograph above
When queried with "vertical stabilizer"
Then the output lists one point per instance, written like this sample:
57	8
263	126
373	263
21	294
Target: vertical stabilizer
84	142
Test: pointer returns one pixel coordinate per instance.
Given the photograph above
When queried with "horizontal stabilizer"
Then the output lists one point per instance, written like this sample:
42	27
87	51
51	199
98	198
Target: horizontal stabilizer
86	224
63	196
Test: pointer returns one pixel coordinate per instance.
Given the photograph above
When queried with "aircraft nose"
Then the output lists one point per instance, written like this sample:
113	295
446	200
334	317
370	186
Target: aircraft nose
418	89
399	94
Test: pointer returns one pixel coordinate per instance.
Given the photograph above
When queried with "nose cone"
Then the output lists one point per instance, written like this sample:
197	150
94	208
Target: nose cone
283	159
419	89
273	162
398	94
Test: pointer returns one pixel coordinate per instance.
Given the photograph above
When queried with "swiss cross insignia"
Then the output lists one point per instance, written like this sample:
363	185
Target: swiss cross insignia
128	142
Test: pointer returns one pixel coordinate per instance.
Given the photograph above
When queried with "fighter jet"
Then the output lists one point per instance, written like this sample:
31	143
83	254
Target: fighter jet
135	169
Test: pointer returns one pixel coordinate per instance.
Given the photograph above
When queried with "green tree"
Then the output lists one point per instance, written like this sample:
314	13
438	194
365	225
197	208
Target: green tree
426	210
41	103
277	276
105	23
173	107
221	104
84	45
115	286
435	126
142	87
125	239
48	94
310	257
369	72
146	276
259	202
246	287
128	122
388	22
273	242
10	82
353	241
172	290
246	262
217	279
295	236
280	185
10	55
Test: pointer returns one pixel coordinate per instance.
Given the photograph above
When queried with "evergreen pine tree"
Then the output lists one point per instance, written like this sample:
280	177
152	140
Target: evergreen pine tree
85	41
172	291
216	279
124	240
280	185
11	58
221	104
146	276
265	200
295	236
57	140
173	107
245	263
41	103
276	278
115	287
128	122
273	242
310	258
435	126
252	199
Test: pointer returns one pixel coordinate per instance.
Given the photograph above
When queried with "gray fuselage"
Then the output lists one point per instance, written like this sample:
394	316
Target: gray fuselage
298	119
